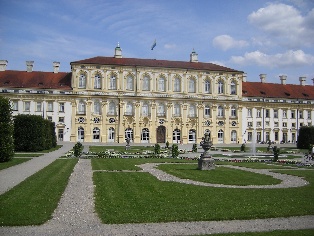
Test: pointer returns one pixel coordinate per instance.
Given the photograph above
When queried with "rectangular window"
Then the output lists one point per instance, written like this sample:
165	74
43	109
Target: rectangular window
276	136
49	118
267	123
61	107
292	114
38	106
249	112
61	119
15	106
249	124
276	124
258	113
50	106
275	113
284	114
249	136
258	124
284	124
267	113
293	125
301	114
27	106
207	111
309	114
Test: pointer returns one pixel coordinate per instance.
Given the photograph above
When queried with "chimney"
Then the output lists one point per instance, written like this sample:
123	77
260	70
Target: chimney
56	66
193	56
244	76
302	80
263	78
29	66
3	65
283	79
118	52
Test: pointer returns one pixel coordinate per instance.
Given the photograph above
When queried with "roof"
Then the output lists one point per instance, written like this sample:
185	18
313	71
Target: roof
35	79
154	63
271	90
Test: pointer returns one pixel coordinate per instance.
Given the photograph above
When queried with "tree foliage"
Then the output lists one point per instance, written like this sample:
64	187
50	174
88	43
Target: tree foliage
175	151
33	133
306	137
6	130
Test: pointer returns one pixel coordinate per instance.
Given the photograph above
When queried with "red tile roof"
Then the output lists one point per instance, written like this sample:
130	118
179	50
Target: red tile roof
35	79
270	90
154	63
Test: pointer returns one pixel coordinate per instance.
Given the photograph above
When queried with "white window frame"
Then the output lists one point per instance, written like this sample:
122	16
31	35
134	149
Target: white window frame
82	81
207	86
146	83
112	82
192	86
161	84
130	83
177	85
97	82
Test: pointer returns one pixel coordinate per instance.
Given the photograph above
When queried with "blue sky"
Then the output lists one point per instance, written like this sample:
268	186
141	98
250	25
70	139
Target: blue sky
254	36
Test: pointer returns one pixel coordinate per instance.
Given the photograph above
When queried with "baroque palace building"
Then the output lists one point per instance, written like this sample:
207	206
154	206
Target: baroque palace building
110	99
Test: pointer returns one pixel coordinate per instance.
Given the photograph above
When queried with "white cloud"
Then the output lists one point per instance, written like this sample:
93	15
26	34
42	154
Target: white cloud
288	59
226	42
170	46
285	23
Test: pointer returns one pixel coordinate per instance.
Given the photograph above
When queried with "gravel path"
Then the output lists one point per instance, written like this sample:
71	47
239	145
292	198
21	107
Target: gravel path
75	216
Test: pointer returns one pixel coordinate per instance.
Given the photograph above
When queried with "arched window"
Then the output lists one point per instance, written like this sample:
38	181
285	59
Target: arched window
177	110
96	134
192	86
161	110
112	108
192	136
129	83
176	136
192	110
220	111
220	87
220	136
145	135
82	81
80	134
233	111
129	109
146	83
177	85
81	107
207	111
233	88
161	84
111	135
234	136
145	110
97	81
97	107
129	134
112	82
207	86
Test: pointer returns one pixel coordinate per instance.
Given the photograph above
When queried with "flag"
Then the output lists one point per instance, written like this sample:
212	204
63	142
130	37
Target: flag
154	45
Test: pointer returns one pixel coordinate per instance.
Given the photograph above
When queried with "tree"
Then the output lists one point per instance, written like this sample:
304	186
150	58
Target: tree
157	148
306	137
78	149
6	130
276	153
175	151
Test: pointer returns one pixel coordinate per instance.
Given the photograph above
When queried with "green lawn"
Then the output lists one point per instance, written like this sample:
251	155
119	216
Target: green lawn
136	197
133	149
13	162
33	201
220	175
305	232
46	151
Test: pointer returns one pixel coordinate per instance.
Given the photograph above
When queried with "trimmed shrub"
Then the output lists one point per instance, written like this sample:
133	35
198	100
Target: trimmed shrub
33	133
157	148
175	151
306	137
6	130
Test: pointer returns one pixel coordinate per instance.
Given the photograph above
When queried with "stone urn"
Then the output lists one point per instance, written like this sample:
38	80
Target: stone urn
206	162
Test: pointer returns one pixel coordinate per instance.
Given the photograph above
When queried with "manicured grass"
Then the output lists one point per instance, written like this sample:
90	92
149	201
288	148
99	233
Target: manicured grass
13	162
220	175
304	232
27	155
256	165
139	197
129	164
33	201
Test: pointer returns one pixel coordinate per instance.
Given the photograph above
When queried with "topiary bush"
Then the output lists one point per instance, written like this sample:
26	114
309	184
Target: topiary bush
6	130
175	151
157	148
306	137
77	149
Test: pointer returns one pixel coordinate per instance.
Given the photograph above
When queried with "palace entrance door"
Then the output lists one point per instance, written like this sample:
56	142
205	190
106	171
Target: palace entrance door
161	134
